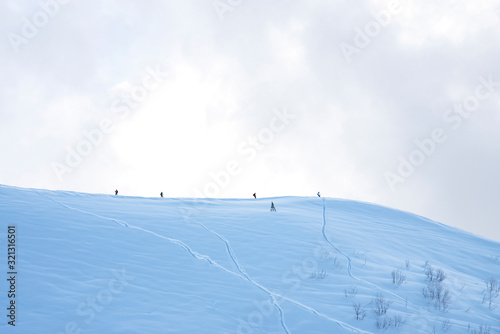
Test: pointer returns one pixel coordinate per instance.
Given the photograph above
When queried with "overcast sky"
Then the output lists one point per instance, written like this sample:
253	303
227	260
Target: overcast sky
379	101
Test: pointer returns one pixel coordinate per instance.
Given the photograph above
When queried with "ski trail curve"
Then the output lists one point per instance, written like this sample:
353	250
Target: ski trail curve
273	295
323	231
242	271
410	304
349	268
193	253
229	249
117	221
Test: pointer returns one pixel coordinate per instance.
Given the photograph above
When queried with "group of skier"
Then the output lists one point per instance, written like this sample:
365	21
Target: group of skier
116	193
273	208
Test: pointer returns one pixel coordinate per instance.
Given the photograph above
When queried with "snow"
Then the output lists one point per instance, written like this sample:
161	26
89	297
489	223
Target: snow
90	263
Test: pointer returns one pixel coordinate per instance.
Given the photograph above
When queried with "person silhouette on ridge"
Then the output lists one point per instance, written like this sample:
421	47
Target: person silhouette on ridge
254	195
272	207
116	192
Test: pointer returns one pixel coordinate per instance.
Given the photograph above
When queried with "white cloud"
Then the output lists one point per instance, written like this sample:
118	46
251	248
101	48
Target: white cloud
226	78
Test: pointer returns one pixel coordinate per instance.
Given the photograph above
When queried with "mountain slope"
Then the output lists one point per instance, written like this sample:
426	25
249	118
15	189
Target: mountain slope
112	264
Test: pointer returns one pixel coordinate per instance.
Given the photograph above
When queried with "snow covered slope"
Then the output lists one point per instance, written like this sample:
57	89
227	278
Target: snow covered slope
113	264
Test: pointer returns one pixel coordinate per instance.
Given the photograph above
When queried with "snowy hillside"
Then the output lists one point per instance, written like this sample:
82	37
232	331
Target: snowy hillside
114	264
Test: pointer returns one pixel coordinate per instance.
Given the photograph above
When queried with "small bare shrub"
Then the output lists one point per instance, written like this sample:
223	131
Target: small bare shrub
397	277
336	264
317	275
434	275
492	291
359	311
380	305
438	294
446	325
383	322
398	321
351	293
482	329
440	275
435	289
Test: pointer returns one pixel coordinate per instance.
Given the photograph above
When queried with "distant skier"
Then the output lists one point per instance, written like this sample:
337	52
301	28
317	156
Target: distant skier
161	194
272	207
116	192
254	195
319	195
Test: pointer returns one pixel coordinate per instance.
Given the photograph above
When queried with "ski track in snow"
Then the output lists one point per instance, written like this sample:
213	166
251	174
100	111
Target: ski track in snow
242	274
193	253
232	256
323	231
428	314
